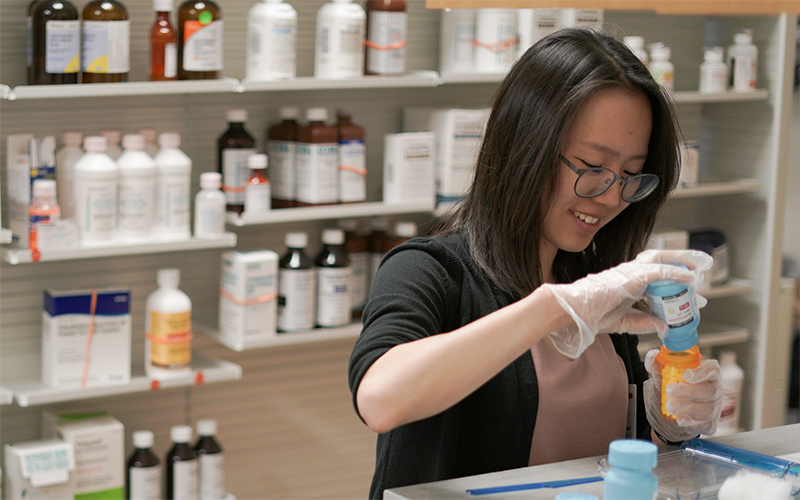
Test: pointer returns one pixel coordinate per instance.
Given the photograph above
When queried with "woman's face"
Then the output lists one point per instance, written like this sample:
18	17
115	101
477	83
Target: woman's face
611	130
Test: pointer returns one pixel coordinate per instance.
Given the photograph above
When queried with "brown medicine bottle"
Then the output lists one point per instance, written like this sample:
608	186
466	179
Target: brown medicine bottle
386	37
357	248
352	161
181	465
234	146
281	140
105	42
317	160
29	42
163	49
57	61
199	40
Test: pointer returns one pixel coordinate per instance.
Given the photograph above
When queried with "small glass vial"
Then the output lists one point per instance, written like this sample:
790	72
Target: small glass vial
333	280
713	71
297	282
209	207
144	474
631	474
181	465
210	477
663	71
256	189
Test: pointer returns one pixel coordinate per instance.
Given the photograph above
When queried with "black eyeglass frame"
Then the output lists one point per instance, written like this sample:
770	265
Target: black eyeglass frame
581	171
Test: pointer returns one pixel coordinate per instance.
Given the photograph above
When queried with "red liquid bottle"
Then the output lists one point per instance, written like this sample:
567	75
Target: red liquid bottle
163	49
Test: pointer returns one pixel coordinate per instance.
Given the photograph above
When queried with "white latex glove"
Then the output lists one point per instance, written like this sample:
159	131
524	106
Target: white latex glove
697	403
602	302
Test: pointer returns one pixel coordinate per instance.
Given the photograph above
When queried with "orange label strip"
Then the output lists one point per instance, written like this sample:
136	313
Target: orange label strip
359	171
175	338
394	45
496	47
248	302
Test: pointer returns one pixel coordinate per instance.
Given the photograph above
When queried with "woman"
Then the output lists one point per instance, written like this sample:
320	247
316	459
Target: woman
504	341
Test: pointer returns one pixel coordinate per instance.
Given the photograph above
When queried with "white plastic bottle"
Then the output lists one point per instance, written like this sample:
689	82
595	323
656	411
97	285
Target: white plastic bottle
339	50
495	40
137	183
271	41
173	188
636	44
209	207
168	328
743	62
96	185
43	210
663	71
713	71
732	379
113	138
257	196
297	283
66	157
457	35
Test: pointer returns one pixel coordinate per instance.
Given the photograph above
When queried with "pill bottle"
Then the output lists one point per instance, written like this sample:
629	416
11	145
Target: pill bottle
333	280
631	474
339	50
210	462
181	465
317	160
663	71
281	142
168	328
66	157
457	35
55	44
163	46
144	474
209	207
256	189
271	41
234	146
386	37
495	40
743	62
137	184
173	189
96	178
636	44
200	30
105	42
732	377
713	71
356	246
352	160
297	283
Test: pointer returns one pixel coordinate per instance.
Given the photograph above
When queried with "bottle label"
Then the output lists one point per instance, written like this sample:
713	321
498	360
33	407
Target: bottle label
105	46
713	77
136	206
359	289
272	48
296	288
256	198
352	171
184	484
96	207
145	483
235	173
743	73
202	46
170	339
340	48
386	43
170	60
209	217
317	172
674	310
63	47
333	296
211	478
173	198
281	169
729	417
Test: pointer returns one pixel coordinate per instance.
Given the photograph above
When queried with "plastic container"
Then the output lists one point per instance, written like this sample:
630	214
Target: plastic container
137	184
66	157
297	282
732	378
674	304
43	210
168	328
714	243
743	62
143	479
181	465
674	363
663	71
317	160
256	190
352	161
210	462
281	143
271	41
163	44
386	37
234	146
631	475
113	139
713	71
105	42
173	188
200	40
333	280
495	40
339	49
56	62
209	207
356	246
457	35
96	178
636	44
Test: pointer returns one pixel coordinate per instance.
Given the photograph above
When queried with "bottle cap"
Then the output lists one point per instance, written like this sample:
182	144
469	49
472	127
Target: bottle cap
743	37
112	136
207	427
713	54
289	113
210	180
180	433
258	161
162	5
634	42
143	439
95	144
660	52
44	188
133	142
405	229
317	114
680	341
727	358
633	454
332	237
150	135
72	139
169	140
169	277
296	240
236	115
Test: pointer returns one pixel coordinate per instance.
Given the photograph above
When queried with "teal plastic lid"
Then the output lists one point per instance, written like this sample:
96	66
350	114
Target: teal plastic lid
677	341
634	454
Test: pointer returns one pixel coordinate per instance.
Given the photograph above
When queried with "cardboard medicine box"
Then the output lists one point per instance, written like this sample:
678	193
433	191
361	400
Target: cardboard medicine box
248	306
39	470
27	159
66	321
409	166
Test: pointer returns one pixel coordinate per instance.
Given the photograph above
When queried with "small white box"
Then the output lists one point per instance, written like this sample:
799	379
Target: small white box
39	470
27	159
409	168
669	239
99	442
248	305
66	321
582	18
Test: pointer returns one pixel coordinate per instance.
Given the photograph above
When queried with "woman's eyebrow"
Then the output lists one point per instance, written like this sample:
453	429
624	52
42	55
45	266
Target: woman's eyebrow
605	149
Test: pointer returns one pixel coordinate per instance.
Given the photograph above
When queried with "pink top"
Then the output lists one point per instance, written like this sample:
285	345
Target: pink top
583	403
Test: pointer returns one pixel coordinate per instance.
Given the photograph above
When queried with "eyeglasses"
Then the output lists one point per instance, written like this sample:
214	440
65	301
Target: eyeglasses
595	181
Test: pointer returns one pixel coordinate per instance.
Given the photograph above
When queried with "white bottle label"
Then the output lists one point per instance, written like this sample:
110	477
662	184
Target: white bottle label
272	48
209	214
256	198
340	48
184	484
235	173
386	46
136	206
145	483
333	296
296	289
744	73
352	171
96	204
317	172
713	77
674	310
173	197
63	47
170	60
105	47
281	169
202	46
729	417
211	477
359	289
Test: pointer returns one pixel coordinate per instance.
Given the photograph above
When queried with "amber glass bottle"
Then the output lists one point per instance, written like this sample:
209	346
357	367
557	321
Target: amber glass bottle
386	37
163	49
57	62
105	25
199	40
29	42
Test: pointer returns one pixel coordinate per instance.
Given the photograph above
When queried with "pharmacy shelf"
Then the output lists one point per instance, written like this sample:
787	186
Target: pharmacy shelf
408	80
710	334
5	236
731	288
23	256
119	89
735	186
728	7
6	396
694	97
31	392
339	211
447	77
283	339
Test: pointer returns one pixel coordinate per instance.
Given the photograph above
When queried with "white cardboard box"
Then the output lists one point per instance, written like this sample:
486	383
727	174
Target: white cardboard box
409	168
39	470
248	305
65	334
27	158
669	239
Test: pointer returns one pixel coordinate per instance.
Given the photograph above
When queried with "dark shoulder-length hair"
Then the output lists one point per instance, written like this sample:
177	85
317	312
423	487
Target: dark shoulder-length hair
518	168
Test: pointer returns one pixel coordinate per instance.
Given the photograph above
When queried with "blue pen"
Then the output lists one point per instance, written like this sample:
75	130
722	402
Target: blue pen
534	486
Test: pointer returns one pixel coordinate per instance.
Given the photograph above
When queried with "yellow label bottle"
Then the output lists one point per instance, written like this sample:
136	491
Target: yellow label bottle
168	328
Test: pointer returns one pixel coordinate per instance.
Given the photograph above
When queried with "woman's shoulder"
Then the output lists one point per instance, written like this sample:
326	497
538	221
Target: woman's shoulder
448	249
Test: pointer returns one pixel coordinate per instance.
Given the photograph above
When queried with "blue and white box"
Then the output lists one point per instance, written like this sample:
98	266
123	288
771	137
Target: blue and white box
86	337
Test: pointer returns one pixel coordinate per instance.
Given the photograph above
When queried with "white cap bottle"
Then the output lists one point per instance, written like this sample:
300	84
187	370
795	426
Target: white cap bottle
271	41
743	62
636	44
663	71
168	328
66	157
173	189
137	182
732	377
495	40
457	35
96	178
339	49
113	138
209	207
713	71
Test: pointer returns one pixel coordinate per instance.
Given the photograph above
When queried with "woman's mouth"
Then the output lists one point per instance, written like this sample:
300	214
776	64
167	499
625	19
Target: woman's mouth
585	218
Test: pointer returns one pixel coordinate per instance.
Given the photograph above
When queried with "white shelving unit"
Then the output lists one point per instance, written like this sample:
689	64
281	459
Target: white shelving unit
283	339
327	212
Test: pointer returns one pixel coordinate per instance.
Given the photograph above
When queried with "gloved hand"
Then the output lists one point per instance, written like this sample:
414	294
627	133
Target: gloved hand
601	303
697	403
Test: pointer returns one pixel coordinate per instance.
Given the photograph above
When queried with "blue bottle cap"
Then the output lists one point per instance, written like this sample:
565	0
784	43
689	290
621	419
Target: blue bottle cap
677	341
634	454
575	495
